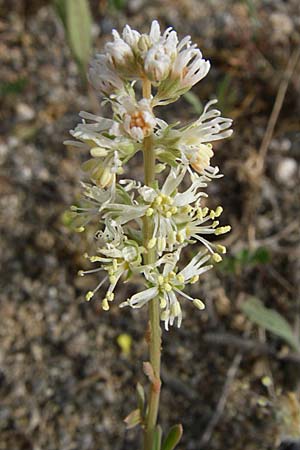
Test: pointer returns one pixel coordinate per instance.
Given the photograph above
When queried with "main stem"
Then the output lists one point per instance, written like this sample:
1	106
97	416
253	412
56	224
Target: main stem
154	309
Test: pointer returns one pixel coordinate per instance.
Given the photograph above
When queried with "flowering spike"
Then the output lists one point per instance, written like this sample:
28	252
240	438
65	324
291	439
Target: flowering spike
120	206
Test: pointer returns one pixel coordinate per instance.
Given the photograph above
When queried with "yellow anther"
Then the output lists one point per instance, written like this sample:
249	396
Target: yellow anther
187	209
222	230
180	277
120	170
174	209
221	249
168	214
180	236
215	223
86	255
199	214
95	259
149	212
172	274
218	211
158	200
105	305
115	264
266	381
212	214
79	229
216	257
89	295
204	211
112	279
80	273
167	287
194	279
199	304
110	296
160	279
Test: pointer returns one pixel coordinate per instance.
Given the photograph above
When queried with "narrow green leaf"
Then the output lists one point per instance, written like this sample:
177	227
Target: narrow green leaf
60	8
271	320
194	101
79	26
157	438
173	437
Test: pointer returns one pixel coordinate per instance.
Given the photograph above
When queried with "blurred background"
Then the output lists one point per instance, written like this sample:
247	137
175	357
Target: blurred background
67	369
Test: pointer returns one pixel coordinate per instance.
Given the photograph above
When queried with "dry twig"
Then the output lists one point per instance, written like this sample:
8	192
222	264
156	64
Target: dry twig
291	66
231	374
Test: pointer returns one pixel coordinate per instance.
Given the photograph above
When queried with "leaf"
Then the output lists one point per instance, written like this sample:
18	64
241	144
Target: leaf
118	4
148	370
141	397
173	437
79	27
261	255
271	320
167	157
60	8
133	419
157	438
13	87
194	101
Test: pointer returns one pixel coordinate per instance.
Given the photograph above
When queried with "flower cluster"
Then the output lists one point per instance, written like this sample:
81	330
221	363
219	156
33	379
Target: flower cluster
176	207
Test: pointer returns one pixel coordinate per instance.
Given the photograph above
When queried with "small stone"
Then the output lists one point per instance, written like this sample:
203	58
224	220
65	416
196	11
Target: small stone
282	26
286	171
135	5
25	112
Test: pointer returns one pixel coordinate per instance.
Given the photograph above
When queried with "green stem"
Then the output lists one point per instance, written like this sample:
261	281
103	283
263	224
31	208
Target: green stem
154	309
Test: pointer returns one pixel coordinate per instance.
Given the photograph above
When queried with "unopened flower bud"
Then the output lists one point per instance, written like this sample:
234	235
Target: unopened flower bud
98	152
120	54
157	64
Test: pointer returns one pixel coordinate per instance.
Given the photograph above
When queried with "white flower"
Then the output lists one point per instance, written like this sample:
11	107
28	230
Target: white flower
104	78
189	67
193	141
168	39
120	55
135	118
159	58
168	284
131	37
109	151
208	128
169	210
118	258
157	63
